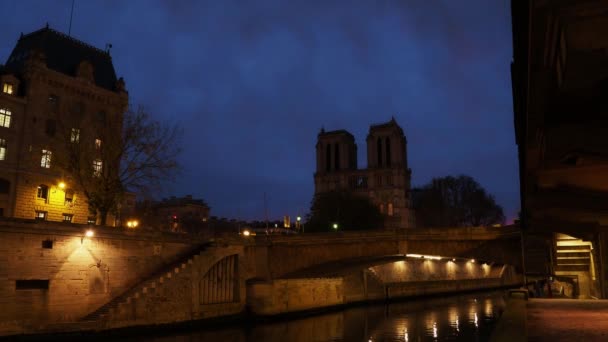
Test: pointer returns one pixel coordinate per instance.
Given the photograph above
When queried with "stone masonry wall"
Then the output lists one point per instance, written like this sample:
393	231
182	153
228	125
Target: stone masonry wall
82	273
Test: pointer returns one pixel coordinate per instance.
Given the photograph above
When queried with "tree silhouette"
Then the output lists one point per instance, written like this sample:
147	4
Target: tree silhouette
347	210
455	202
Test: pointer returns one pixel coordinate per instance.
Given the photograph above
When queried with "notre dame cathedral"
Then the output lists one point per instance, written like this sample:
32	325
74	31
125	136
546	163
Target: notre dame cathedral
385	181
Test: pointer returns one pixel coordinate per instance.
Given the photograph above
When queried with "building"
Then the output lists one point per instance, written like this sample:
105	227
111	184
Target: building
560	82
54	88
385	181
178	214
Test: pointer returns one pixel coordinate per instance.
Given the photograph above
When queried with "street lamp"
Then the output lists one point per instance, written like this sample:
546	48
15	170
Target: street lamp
89	233
61	185
335	226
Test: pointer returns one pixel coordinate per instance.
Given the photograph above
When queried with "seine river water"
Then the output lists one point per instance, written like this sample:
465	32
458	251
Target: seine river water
469	317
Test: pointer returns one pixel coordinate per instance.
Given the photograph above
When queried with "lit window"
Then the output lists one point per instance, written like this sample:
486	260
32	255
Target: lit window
67	218
43	191
75	136
41	215
45	162
7	88
98	144
381	208
97	168
2	149
5	117
390	209
69	196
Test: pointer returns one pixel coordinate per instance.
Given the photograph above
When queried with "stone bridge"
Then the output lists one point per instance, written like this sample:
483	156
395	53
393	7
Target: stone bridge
277	256
68	281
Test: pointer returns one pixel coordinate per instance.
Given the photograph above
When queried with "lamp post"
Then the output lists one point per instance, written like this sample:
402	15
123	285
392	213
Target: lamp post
335	226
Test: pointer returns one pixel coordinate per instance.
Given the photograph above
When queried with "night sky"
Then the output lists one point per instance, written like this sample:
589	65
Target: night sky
252	83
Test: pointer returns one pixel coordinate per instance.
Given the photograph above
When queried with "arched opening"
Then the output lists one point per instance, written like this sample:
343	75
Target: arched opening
337	157
379	150
328	157
388	152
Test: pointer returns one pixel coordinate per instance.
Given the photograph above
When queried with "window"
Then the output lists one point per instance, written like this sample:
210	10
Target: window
32	284
379	151
48	244
45	162
41	215
53	100
43	191
327	157
378	181
69	196
97	168
101	116
75	136
5	117
389	179
7	88
2	149
98	144
390	209
388	152
337	157
67	218
381	208
5	185
51	127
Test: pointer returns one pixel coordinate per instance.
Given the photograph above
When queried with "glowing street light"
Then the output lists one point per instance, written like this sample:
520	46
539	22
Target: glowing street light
298	219
246	232
335	226
61	185
88	233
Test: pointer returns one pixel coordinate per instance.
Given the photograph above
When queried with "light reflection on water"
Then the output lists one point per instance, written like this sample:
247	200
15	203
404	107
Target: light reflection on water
456	318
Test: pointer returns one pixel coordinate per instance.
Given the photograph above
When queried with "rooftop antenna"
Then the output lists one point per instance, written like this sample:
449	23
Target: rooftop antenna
71	15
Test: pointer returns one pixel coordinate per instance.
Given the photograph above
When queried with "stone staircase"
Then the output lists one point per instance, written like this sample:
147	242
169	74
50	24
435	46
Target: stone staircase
152	283
572	254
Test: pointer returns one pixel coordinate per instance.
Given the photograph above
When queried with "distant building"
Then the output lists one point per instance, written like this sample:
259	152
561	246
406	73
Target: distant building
183	214
385	181
53	85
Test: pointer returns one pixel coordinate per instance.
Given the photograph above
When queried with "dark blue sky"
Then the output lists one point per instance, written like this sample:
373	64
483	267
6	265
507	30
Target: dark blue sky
252	82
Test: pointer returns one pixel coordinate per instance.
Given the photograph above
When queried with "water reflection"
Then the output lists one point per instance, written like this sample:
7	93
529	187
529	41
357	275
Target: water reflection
419	320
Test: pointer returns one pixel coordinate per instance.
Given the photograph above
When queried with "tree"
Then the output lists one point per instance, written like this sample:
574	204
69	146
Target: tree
112	156
348	211
455	202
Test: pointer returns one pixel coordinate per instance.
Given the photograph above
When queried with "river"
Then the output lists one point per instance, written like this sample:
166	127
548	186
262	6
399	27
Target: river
468	317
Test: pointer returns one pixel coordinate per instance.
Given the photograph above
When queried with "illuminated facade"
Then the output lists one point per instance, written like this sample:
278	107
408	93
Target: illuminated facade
385	181
52	85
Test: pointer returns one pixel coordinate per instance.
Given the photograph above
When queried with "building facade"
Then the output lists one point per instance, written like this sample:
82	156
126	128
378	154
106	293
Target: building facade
385	181
177	214
55	90
560	81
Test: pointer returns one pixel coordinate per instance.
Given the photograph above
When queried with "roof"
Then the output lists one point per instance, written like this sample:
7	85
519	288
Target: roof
386	125
336	132
63	54
182	201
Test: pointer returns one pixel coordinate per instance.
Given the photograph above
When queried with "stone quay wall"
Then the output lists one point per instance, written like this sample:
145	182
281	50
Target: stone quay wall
52	273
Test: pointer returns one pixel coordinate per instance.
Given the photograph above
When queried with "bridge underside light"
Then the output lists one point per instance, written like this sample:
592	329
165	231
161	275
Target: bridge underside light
422	256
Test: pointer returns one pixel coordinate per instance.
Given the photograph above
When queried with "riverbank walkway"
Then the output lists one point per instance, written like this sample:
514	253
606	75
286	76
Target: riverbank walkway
554	320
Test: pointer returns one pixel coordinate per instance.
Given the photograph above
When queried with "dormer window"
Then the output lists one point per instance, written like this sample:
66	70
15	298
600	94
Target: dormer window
7	88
